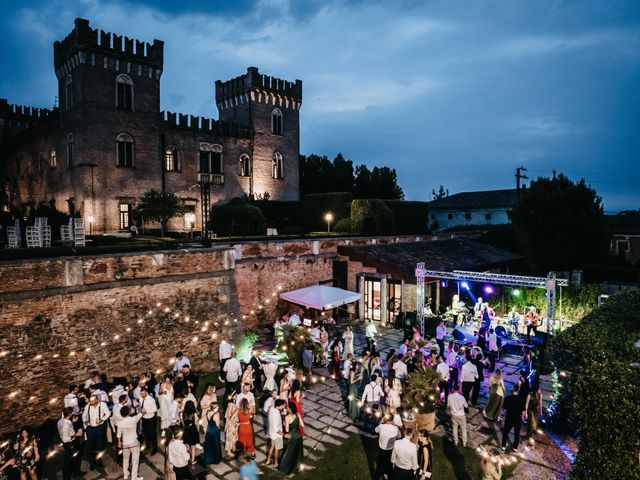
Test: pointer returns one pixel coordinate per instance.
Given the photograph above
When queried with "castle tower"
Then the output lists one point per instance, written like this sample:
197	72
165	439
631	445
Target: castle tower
270	107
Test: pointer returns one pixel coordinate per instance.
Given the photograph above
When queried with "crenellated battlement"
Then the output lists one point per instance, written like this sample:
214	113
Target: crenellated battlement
85	39
203	124
254	81
10	111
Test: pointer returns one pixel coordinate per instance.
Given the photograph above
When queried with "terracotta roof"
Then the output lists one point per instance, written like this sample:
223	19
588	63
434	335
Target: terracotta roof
400	259
475	200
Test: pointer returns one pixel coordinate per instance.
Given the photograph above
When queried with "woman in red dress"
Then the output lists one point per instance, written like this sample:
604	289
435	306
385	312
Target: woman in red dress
296	397
245	429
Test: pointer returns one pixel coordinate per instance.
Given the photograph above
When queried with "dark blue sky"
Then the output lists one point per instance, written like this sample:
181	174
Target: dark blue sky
458	93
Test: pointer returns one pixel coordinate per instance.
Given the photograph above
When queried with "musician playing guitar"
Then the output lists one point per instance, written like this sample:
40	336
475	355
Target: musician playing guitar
532	320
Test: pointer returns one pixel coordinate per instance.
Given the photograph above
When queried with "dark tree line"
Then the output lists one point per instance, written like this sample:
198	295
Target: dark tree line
318	174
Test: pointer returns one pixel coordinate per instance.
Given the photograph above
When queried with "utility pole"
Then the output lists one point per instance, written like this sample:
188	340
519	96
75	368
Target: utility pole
520	176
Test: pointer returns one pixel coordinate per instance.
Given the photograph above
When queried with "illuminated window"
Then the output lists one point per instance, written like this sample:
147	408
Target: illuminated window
53	158
277	170
245	166
276	121
126	214
125	151
171	159
124	93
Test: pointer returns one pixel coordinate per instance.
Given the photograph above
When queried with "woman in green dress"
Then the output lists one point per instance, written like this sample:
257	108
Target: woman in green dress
294	451
496	397
354	388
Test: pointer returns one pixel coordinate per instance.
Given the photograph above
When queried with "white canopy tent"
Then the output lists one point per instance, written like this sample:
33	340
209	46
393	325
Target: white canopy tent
321	297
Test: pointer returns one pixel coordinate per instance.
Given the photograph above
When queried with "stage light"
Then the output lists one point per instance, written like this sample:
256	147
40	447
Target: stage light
443	284
516	292
465	285
488	289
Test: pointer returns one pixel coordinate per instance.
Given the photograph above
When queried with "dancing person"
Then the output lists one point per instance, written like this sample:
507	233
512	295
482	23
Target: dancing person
496	397
275	433
534	411
492	340
452	361
324	342
335	363
257	366
212	447
294	453
404	457
371	398
393	390
425	455
477	361
296	396
179	456
233	372
469	376
247	378
269	369
400	369
69	437
191	436
370	333
128	442
245	429
307	365
148	408
492	465
457	405
207	399
443	369
165	398
231	428
249	396
523	390
513	406
94	417
355	378
248	468
441	332
388	433
181	361
225	349
348	341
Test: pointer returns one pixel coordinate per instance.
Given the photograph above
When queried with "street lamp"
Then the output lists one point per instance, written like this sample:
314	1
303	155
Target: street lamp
190	220
328	217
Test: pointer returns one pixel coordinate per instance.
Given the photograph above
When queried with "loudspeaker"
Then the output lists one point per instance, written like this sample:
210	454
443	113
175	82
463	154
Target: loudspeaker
458	335
501	331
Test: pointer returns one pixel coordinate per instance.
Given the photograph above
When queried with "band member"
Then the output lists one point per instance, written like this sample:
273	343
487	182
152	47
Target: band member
514	320
477	308
532	321
458	309
487	315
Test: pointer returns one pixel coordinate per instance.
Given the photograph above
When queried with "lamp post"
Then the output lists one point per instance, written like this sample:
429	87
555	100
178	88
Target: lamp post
328	217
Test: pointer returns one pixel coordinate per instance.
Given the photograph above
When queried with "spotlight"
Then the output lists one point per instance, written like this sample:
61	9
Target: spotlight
443	284
516	292
489	290
465	285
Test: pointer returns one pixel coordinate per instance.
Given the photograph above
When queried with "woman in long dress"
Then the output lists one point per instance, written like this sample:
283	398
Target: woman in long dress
496	396
296	397
231	428
165	398
294	452
348	341
191	435
207	399
285	386
393	390
324	341
212	447
245	429
354	387
270	370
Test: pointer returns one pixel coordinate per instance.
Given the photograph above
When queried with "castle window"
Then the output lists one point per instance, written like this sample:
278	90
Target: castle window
277	166
126	214
124	93
467	216
245	166
68	93
276	121
487	216
171	159
125	150
70	150
449	216
210	159
53	158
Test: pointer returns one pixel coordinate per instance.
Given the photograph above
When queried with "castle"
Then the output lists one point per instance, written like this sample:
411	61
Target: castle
108	142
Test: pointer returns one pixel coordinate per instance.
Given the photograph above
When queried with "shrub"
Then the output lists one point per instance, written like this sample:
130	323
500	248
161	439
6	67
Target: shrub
281	215
318	204
343	226
421	391
411	217
294	341
600	381
238	217
371	217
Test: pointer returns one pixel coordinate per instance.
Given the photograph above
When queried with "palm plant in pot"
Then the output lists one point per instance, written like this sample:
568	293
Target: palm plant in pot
420	397
294	341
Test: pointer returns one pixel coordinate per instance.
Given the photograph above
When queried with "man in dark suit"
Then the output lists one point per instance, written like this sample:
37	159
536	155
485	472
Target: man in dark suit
256	363
512	419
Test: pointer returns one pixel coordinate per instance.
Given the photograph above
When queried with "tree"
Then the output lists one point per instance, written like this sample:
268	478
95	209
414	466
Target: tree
160	207
441	193
559	224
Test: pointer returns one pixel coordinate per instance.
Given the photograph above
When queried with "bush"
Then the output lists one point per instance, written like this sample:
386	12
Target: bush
318	204
371	217
421	391
600	381
411	217
281	215
343	226
238	217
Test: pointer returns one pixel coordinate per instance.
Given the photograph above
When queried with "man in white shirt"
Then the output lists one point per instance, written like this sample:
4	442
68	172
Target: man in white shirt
224	353
443	370
493	349
388	433
294	320
441	332
94	419
98	392
468	377
128	442
372	398
175	410
452	361
69	438
268	404
115	411
370	333
274	431
181	361
456	405
246	393
401	369
233	374
115	393
404	348
148	409
179	456
71	399
404	457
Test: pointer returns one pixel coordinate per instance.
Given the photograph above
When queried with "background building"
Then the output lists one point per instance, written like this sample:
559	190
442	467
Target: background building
108	142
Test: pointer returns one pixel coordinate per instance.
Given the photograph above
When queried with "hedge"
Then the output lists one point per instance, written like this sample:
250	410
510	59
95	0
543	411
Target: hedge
600	394
411	217
285	216
316	205
372	217
238	217
343	226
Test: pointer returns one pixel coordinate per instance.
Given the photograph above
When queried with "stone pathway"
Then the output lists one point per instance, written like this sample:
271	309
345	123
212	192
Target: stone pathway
326	423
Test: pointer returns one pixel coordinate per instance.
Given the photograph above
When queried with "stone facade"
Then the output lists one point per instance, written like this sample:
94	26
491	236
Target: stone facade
109	91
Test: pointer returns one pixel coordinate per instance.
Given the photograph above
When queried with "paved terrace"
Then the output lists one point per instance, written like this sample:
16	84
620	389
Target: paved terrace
326	423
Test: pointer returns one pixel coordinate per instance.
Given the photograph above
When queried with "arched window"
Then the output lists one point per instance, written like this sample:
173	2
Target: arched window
210	159
70	150
125	151
245	166
68	93
277	170
171	159
53	157
124	92
276	121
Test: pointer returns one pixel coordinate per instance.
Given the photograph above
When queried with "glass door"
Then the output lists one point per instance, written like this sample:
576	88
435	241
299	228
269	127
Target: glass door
394	296
372	298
